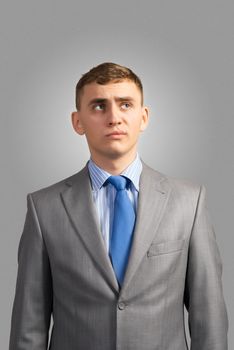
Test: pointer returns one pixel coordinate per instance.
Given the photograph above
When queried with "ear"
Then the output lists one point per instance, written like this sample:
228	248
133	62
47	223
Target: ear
76	123
145	118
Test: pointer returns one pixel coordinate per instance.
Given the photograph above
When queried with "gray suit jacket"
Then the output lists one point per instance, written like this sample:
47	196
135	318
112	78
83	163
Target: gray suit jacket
64	270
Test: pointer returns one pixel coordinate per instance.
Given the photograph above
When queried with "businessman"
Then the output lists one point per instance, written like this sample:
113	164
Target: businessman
110	257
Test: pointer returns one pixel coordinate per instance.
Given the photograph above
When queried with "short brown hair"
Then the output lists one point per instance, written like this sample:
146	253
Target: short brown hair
105	73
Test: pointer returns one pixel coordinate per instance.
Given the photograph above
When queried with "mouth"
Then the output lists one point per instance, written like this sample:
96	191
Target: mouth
116	134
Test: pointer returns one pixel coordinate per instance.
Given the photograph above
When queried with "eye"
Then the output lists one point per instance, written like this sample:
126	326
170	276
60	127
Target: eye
99	107
125	105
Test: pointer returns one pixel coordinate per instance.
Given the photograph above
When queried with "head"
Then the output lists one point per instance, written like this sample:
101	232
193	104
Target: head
106	73
110	113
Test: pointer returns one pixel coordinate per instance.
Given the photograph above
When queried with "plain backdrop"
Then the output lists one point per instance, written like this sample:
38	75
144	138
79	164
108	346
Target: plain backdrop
182	50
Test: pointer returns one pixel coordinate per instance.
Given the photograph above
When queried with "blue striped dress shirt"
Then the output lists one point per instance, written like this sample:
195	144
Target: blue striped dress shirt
104	196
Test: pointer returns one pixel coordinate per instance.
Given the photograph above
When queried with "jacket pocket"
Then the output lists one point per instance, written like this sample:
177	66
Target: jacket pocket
165	247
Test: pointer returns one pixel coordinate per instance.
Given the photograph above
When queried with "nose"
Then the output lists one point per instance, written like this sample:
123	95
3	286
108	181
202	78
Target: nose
114	117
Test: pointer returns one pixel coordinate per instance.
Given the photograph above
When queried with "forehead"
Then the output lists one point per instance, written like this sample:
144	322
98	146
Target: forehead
111	90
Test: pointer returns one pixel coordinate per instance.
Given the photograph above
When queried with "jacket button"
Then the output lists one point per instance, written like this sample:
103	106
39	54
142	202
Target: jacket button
121	305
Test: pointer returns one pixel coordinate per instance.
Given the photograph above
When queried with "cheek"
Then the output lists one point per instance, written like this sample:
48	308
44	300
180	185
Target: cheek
135	126
92	126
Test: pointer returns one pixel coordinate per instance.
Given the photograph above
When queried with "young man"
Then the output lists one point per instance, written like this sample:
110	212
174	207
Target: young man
114	252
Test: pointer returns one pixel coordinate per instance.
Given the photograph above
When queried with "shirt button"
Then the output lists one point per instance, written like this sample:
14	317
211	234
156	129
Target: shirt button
121	305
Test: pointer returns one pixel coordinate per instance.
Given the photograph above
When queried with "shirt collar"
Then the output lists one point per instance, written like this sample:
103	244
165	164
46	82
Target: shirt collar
99	176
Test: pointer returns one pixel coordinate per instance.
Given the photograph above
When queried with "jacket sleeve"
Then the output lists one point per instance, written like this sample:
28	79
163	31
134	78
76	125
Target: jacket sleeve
33	296
208	323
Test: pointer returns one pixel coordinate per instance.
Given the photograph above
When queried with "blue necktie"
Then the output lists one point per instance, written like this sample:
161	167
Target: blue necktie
122	228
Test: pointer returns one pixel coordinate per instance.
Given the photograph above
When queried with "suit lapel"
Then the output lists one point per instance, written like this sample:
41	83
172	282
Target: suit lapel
153	197
78	202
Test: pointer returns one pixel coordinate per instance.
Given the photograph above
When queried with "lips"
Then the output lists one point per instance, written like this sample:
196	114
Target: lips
116	133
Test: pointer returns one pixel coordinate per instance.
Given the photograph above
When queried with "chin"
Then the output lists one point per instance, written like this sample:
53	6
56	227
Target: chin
115	153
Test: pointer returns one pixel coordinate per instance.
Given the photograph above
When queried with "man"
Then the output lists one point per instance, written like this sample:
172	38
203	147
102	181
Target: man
114	252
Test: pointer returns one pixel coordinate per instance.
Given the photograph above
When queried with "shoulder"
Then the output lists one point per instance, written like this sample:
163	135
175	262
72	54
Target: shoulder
177	187
53	191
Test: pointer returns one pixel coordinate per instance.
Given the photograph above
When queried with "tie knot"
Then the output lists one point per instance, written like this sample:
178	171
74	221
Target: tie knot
119	182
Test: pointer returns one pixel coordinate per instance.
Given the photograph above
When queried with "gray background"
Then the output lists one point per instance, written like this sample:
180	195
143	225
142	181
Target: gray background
184	53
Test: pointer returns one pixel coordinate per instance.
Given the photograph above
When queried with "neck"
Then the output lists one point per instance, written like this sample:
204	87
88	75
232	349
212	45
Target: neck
114	166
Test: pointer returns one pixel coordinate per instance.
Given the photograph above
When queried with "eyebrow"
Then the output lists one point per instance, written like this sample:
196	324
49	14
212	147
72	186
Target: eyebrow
103	100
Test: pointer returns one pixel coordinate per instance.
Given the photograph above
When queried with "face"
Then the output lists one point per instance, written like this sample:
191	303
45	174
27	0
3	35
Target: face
111	117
